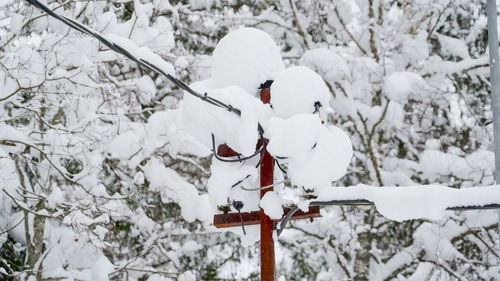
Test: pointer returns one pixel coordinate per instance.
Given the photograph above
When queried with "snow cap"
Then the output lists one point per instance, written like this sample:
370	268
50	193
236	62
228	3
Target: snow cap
245	57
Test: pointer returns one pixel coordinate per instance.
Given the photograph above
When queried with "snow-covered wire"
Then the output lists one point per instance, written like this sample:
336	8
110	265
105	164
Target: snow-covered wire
317	106
358	202
293	210
148	65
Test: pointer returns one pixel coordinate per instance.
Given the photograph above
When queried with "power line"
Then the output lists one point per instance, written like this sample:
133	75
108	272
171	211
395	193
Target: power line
369	203
141	62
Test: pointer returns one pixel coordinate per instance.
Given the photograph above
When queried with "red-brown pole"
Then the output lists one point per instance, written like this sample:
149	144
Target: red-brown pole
267	262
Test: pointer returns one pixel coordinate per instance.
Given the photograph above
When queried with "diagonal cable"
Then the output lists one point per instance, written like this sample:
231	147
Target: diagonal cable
143	63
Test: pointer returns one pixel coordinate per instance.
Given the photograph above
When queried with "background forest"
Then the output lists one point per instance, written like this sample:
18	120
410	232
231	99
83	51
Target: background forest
83	131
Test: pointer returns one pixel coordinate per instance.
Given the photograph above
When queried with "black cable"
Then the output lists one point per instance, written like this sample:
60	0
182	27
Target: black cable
240	159
261	154
367	202
256	166
281	168
65	20
266	84
238	205
240	181
286	219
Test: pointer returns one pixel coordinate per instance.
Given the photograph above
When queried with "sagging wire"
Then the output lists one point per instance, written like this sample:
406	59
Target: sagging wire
143	63
150	66
232	160
286	219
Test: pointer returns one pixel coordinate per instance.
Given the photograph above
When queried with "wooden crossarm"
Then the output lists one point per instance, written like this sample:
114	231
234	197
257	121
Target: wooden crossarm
252	218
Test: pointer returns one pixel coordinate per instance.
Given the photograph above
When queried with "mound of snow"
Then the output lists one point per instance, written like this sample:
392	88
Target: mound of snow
453	46
272	205
224	176
296	89
316	155
143	53
245	57
239	132
326	162
293	137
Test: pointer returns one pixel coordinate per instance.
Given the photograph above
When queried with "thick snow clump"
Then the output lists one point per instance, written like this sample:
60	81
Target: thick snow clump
239	132
293	137
326	162
245	57
316	155
296	89
272	205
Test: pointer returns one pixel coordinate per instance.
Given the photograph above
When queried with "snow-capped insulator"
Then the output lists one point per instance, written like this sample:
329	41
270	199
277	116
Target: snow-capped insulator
238	205
320	110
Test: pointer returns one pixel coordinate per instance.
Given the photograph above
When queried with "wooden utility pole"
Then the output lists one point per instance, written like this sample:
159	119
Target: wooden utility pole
267	262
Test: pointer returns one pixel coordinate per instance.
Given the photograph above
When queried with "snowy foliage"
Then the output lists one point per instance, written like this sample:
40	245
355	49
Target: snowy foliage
101	177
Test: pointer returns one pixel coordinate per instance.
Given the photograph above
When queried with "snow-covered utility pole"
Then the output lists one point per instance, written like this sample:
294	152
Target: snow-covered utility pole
491	10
